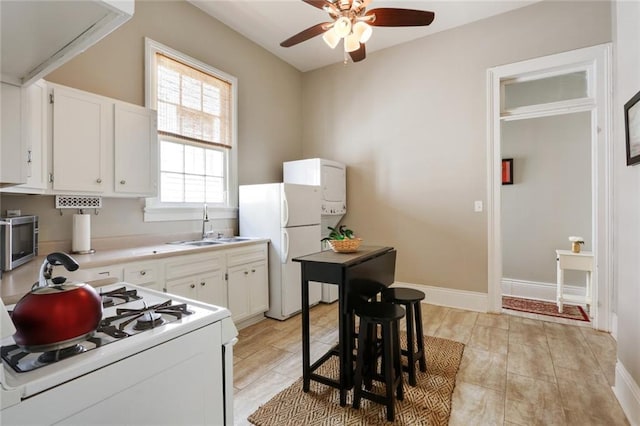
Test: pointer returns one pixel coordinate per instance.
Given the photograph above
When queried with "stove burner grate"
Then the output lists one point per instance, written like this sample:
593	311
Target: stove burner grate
146	317
119	293
60	354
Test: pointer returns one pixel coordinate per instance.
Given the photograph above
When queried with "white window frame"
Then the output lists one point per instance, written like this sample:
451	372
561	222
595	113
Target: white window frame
155	210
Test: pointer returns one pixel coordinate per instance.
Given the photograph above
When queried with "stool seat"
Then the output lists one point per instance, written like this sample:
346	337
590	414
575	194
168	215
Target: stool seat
380	311
402	295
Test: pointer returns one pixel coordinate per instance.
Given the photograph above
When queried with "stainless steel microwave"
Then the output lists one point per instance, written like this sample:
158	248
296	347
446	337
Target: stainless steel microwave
19	238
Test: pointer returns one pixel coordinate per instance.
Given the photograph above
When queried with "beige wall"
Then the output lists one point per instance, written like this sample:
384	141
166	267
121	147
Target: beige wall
551	195
410	123
627	197
269	103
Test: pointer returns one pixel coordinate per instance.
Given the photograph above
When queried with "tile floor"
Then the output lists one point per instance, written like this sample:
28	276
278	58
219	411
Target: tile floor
516	370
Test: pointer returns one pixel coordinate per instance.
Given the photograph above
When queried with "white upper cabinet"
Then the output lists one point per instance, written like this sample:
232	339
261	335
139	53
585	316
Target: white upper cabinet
13	166
36	127
81	134
135	150
39	36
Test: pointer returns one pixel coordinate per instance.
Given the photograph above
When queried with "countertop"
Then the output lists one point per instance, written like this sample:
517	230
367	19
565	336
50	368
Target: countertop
16	283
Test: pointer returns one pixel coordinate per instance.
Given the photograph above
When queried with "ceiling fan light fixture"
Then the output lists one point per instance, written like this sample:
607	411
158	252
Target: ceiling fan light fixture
342	26
331	38
363	31
351	43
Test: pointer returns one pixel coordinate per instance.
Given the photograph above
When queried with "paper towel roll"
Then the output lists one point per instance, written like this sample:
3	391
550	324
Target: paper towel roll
81	241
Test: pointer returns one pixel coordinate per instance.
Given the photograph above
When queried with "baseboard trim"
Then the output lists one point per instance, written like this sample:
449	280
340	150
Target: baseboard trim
451	298
536	289
628	394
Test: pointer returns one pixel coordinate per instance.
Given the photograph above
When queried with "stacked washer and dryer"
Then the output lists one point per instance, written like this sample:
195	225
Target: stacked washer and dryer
331	176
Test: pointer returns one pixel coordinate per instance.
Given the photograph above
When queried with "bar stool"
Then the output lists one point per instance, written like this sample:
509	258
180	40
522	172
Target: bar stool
410	299
387	315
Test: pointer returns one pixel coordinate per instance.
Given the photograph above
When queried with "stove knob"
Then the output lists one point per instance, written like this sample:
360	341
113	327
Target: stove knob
192	286
202	283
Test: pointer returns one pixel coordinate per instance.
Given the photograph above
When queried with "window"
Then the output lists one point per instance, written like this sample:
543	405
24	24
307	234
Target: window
196	110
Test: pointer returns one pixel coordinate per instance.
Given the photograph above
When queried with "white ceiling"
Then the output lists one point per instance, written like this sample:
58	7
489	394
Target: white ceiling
269	22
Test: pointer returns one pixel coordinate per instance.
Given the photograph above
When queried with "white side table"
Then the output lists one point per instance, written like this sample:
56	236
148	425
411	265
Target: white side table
583	261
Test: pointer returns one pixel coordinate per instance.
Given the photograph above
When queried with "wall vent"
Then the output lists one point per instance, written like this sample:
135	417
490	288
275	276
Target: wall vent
78	202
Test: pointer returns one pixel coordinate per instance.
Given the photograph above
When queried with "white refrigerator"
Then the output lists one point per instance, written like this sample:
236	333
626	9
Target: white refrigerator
289	215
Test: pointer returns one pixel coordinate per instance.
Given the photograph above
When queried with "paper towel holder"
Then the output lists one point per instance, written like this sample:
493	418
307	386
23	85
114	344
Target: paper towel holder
74	242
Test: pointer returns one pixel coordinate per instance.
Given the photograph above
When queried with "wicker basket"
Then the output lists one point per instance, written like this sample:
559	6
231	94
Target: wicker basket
348	245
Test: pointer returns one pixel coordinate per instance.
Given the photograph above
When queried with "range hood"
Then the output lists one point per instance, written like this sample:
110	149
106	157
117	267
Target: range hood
39	36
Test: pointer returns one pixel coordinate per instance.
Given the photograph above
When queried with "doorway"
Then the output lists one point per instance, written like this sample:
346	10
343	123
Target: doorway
579	89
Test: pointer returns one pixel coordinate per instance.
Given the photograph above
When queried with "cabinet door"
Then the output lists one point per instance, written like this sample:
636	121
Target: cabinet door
212	288
36	124
81	132
238	292
258	288
135	145
13	165
185	287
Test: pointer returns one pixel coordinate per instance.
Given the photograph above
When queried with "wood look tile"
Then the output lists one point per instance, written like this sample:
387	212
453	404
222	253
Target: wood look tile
252	368
476	405
531	361
543	373
247	400
527	332
530	401
572	355
493	320
483	368
489	339
565	332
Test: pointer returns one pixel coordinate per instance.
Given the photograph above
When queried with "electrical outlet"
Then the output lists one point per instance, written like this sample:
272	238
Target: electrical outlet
477	206
13	213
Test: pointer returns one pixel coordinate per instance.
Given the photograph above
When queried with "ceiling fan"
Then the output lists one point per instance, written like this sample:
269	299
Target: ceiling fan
352	23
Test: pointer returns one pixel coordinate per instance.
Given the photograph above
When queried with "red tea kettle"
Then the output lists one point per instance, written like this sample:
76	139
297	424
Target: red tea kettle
55	315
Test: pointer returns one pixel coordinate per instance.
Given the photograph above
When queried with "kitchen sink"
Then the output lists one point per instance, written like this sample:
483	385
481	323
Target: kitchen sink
211	242
202	243
234	239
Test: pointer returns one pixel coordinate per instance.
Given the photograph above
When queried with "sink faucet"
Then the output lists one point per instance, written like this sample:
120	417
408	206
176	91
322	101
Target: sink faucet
205	219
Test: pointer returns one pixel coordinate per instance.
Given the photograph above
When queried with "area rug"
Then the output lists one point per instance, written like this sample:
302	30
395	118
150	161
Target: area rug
544	308
428	403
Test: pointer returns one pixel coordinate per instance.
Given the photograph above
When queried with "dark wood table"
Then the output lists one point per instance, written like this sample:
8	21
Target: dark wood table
353	273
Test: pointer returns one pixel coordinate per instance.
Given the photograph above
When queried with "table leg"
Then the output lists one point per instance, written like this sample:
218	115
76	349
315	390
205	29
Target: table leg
306	358
345	344
560	277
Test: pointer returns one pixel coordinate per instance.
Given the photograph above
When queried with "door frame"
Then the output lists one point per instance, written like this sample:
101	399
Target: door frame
596	61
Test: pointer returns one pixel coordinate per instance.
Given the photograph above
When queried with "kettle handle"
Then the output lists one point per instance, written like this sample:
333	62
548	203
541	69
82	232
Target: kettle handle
63	259
46	270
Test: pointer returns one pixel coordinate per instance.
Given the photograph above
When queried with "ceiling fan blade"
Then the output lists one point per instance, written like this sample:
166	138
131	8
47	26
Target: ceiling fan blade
392	17
358	55
316	3
306	34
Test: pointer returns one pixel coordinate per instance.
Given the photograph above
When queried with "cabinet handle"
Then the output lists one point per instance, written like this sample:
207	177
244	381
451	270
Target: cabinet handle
253	270
99	180
246	272
202	283
143	272
192	286
122	182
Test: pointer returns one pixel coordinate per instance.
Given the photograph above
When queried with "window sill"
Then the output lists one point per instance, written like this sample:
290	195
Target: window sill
165	213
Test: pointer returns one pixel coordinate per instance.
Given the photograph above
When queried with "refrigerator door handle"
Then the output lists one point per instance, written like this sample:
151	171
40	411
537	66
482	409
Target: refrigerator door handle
285	210
285	246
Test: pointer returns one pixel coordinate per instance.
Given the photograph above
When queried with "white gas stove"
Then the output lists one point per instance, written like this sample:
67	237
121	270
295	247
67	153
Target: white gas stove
156	358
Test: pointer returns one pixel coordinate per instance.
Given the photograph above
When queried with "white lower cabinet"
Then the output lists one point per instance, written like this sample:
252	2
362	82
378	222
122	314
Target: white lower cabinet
199	277
247	281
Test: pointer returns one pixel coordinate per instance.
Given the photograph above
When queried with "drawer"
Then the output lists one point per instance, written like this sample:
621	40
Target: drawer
578	263
241	256
192	265
140	275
